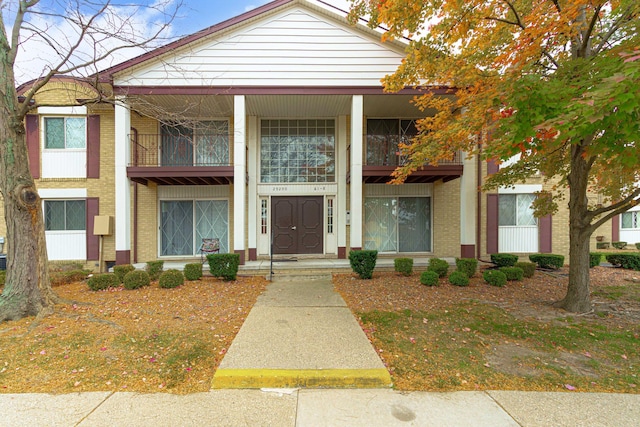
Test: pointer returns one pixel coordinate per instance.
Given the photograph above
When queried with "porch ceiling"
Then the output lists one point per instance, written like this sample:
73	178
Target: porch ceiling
298	105
192	106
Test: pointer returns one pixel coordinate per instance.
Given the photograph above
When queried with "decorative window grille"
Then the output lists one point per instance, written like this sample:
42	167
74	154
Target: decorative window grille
263	216
330	216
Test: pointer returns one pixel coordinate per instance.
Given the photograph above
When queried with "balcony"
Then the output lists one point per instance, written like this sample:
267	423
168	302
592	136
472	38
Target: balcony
383	157
180	159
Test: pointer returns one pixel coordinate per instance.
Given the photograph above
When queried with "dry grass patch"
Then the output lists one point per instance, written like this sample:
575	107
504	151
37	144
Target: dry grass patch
143	340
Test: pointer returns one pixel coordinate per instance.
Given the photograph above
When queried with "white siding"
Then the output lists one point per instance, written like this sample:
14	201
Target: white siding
64	163
631	236
294	48
518	239
66	245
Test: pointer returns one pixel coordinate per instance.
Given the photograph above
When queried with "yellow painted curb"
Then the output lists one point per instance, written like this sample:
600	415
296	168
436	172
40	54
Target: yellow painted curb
307	378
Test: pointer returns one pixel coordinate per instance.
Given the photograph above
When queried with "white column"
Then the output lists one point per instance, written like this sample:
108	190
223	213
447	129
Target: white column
468	205
252	170
341	202
239	172
357	113
122	185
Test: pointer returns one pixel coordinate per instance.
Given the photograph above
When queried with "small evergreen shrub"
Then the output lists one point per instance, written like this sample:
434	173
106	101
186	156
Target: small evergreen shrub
3	277
638	245
136	279
602	245
154	269
495	277
65	277
626	261
467	265
224	265
193	271
513	273
547	260
529	268
458	278
619	245
121	270
171	279
429	278
438	265
403	266
98	282
594	259
504	260
363	262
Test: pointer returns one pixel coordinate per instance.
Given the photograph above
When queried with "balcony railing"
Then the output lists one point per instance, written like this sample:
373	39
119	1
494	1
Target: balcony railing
387	153
157	150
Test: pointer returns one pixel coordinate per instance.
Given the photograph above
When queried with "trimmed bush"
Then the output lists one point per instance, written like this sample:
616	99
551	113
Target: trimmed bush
193	271
594	259
171	279
3	277
547	260
602	245
154	269
67	276
403	266
504	260
513	273
429	278
363	262
98	282
529	268
136	279
438	265
467	265
638	245
458	278
224	265
627	261
619	245
495	277
121	270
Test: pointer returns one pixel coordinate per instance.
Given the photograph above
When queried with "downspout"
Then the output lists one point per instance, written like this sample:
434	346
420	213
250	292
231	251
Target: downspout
479	201
134	133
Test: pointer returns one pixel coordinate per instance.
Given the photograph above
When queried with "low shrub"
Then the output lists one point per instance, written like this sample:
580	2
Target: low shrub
529	268
64	277
363	262
3	277
154	269
121	270
429	278
171	279
547	260
224	265
98	282
638	245
504	260
495	277
403	266
602	245
595	258
619	245
626	261
513	273
439	266
193	271
136	279
467	265
458	278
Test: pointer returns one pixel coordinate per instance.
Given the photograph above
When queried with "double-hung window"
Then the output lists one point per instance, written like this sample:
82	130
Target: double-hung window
65	133
64	215
516	210
630	220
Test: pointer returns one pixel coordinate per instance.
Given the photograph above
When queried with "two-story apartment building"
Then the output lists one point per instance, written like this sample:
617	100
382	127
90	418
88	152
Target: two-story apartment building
271	132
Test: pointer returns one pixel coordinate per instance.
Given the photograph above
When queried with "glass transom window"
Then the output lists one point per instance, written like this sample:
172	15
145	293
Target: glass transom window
65	132
297	151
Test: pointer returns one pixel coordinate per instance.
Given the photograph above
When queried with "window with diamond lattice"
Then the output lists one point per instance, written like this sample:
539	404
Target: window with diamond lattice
65	133
297	151
383	139
205	143
60	215
516	210
184	223
630	220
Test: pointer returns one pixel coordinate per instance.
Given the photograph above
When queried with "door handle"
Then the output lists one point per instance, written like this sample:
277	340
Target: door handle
294	227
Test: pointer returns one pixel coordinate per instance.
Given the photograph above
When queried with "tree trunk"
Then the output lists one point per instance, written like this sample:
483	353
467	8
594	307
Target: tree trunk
27	290
578	297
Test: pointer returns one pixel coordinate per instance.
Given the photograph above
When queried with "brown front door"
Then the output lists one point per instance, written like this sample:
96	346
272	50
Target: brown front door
297	225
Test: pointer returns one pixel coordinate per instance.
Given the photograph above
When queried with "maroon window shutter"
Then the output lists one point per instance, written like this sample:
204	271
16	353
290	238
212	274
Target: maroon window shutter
93	242
33	145
492	167
615	228
93	146
492	223
544	234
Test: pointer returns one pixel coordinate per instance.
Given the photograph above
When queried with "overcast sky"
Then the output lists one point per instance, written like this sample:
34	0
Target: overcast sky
194	15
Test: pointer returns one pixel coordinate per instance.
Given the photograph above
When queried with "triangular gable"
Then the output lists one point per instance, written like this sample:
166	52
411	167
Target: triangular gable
295	46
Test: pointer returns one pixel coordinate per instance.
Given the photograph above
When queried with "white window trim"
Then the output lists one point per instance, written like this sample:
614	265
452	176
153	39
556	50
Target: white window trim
63	111
63	193
43	134
521	189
